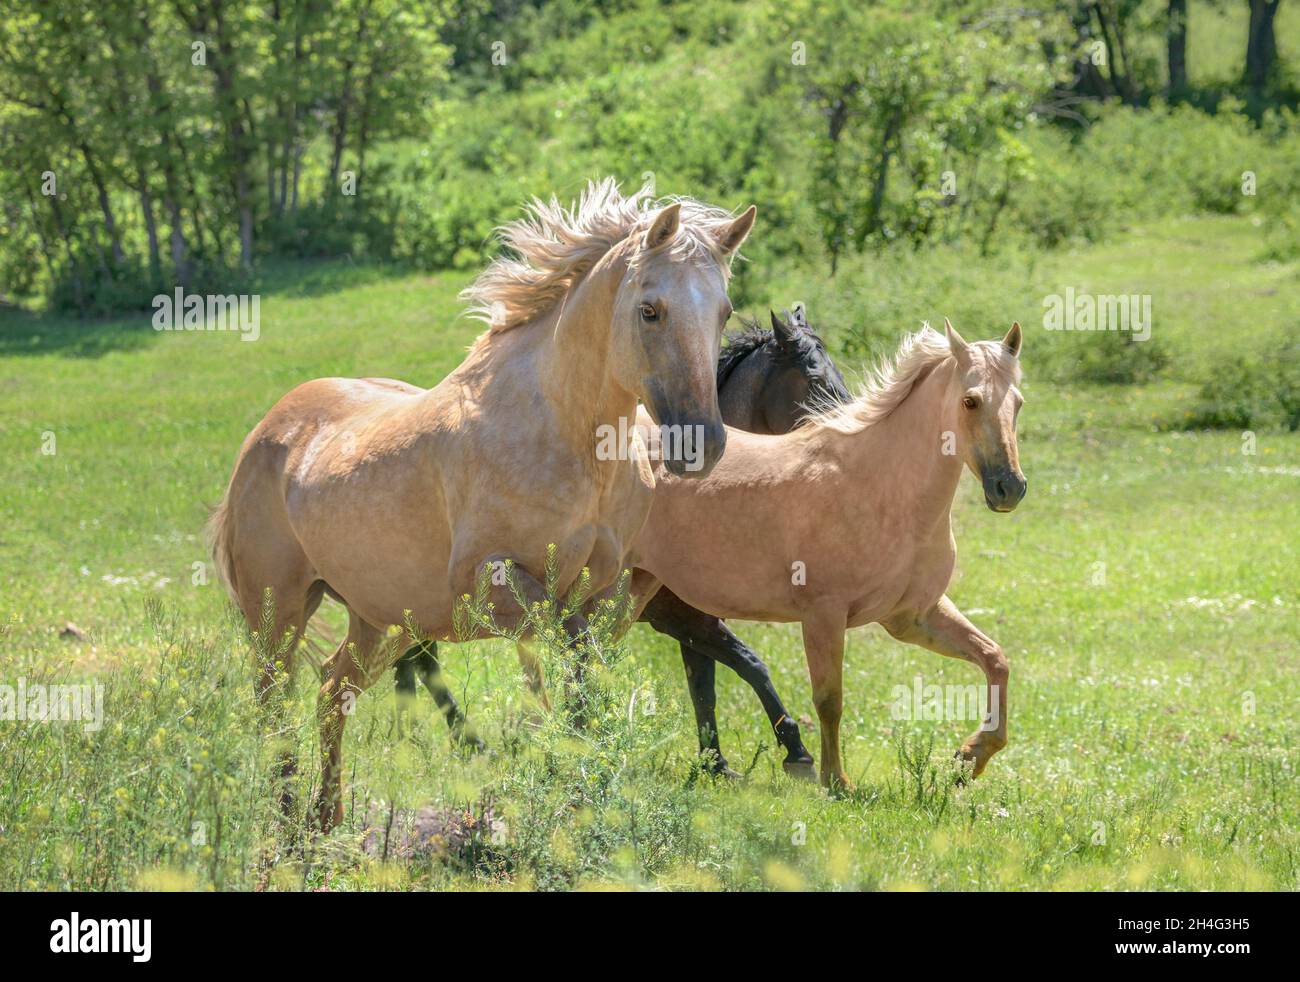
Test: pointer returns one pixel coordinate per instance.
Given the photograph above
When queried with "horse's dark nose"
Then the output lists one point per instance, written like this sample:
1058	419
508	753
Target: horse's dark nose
692	449
1003	491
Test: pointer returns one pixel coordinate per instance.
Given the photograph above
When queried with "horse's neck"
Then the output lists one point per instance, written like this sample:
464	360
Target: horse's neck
904	453
738	398
575	373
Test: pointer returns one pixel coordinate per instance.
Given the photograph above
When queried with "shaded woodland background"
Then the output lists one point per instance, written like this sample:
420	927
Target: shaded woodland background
151	143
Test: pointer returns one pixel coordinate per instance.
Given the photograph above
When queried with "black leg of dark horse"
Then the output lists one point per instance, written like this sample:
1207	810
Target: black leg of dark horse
700	680
709	636
422	658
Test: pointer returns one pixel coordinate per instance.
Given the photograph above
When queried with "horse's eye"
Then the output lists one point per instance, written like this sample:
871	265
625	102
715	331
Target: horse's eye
971	402
648	312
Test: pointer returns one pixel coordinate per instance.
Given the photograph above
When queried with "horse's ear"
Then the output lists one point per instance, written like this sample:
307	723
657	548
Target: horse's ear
782	331
731	235
665	226
955	341
799	316
1013	340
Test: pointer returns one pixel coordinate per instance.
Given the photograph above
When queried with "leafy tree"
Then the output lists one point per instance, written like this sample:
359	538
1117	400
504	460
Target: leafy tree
919	120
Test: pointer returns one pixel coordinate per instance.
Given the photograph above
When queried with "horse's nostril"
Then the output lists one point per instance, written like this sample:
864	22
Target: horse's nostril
1001	490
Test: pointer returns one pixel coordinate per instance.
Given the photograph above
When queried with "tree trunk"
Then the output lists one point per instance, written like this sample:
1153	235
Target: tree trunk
1089	80
297	173
105	206
221	60
363	130
881	179
1261	42
839	114
270	176
78	138
160	103
289	142
345	101
135	155
74	262
196	213
1176	45
46	251
172	191
151	229
1112	36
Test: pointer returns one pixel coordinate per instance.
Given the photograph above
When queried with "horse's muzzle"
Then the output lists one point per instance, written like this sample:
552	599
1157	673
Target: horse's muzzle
1004	489
693	449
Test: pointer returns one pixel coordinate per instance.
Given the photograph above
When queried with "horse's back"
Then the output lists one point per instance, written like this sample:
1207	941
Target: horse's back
328	475
321	408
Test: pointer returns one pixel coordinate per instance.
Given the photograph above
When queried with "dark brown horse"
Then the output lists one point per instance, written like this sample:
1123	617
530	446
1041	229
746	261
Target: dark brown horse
768	379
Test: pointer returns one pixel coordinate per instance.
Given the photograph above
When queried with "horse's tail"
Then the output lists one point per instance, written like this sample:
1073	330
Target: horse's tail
219	534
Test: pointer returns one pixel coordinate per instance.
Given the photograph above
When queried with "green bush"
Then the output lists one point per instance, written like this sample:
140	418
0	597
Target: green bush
1164	161
1248	394
1107	358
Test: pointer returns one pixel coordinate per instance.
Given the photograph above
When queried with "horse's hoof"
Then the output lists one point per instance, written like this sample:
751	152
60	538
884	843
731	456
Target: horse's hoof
960	759
472	744
724	773
801	770
838	786
715	765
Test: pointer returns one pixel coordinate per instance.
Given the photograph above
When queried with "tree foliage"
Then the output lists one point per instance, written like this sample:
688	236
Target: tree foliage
146	144
150	142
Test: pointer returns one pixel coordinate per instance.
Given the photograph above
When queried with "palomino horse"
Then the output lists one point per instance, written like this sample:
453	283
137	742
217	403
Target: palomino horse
767	381
393	498
846	521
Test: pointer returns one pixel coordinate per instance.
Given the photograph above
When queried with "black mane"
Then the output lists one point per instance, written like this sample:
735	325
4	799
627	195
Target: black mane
740	346
753	336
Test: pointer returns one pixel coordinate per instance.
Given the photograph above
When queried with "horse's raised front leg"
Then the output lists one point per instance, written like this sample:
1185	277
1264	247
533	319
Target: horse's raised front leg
943	628
823	642
705	639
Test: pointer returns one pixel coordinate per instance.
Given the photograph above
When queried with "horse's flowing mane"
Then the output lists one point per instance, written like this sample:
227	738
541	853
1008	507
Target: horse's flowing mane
554	247
893	379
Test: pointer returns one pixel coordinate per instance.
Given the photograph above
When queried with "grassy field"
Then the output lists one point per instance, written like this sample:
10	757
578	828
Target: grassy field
1145	592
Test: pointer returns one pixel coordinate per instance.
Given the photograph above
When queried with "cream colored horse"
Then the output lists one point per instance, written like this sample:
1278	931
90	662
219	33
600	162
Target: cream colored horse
393	498
846	521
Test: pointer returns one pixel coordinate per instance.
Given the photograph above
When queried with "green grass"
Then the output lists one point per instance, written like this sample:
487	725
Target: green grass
1145	593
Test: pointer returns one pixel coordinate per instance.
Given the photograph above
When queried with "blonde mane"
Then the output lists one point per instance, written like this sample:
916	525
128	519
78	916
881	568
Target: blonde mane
892	379
555	246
